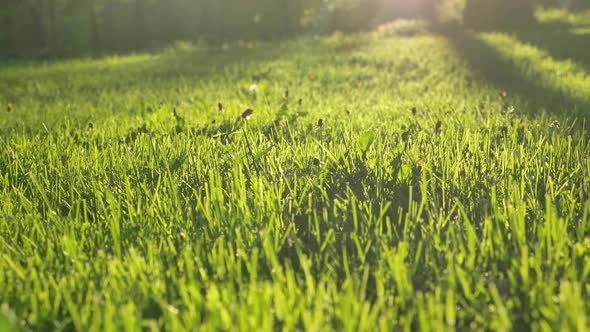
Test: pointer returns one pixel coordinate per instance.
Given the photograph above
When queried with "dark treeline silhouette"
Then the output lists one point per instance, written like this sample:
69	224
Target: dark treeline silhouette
41	28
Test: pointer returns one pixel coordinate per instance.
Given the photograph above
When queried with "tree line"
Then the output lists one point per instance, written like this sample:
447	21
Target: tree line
61	27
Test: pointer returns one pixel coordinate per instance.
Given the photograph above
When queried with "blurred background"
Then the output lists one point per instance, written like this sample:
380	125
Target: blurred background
54	28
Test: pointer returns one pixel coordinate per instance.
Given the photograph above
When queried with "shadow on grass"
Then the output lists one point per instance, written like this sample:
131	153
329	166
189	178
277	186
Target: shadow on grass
530	85
562	42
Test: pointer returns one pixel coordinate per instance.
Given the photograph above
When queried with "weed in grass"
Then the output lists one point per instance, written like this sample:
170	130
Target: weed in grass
320	123
247	114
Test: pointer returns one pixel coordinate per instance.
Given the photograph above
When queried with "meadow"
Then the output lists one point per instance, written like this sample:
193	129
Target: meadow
399	179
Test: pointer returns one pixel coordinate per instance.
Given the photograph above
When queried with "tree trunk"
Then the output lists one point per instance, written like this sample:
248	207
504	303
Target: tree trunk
292	14
428	10
108	22
52	13
38	32
139	24
93	18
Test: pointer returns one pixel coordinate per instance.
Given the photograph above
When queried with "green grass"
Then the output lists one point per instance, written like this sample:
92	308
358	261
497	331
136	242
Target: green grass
472	214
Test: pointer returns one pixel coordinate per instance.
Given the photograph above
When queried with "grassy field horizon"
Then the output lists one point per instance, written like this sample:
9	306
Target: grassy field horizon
402	178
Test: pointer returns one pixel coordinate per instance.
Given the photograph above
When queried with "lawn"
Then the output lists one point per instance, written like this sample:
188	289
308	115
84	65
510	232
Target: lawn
398	179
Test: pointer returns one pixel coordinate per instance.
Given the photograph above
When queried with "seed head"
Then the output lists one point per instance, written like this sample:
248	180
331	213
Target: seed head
247	114
504	130
438	127
405	136
177	116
